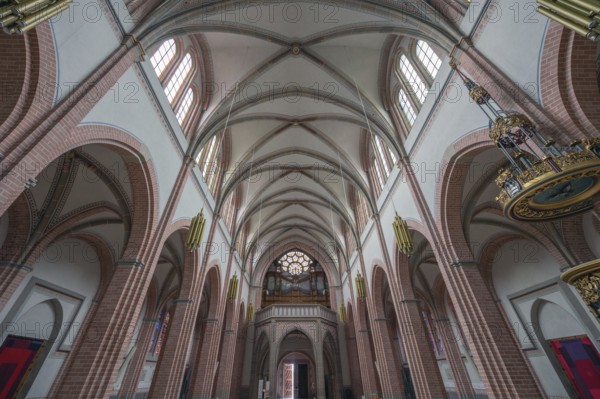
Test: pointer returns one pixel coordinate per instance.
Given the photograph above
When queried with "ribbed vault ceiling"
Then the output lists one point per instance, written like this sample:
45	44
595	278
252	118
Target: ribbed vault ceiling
311	80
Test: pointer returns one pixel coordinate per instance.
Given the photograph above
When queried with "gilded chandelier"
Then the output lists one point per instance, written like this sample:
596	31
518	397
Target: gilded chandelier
20	16
543	180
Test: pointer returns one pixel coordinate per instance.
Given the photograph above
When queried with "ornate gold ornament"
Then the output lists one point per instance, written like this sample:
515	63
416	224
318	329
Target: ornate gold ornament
233	287
543	181
403	237
581	16
343	313
361	291
196	230
250	312
18	16
586	279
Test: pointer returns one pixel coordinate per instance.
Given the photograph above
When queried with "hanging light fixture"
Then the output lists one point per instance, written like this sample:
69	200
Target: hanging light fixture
18	16
361	291
196	230
342	313
403	237
582	16
250	312
233	287
543	181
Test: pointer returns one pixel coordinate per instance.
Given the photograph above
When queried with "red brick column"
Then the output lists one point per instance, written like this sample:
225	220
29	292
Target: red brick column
353	358
131	379
228	347
168	376
425	372
450	337
424	368
204	370
231	351
12	272
100	354
366	340
498	357
238	363
204	379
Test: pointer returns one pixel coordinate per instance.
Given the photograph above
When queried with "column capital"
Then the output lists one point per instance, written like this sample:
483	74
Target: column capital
132	263
130	41
464	263
407	301
185	301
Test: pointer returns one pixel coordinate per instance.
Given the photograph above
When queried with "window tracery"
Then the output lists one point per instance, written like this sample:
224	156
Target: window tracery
295	277
176	66
428	58
163	56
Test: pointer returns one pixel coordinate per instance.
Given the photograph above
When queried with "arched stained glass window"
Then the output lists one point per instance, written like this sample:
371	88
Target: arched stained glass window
295	262
163	56
179	77
207	160
185	106
413	78
428	58
405	106
160	333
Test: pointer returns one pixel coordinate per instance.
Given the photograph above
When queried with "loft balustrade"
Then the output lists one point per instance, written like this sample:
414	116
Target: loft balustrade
295	312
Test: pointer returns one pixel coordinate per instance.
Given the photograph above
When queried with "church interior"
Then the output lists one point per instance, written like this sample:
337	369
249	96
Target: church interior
359	199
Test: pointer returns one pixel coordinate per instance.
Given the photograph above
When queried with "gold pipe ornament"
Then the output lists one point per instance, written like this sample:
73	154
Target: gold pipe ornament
196	230
22	16
233	287
581	16
343	313
586	280
403	237
250	312
361	291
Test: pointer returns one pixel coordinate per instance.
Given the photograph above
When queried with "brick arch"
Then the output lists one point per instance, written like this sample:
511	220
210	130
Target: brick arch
353	358
529	232
213	278
28	65
144	183
20	220
191	259
567	80
379	277
448	200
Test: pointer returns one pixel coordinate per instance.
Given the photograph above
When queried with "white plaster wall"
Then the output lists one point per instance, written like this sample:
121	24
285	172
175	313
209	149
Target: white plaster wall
515	21
454	120
519	268
128	107
83	38
190	204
